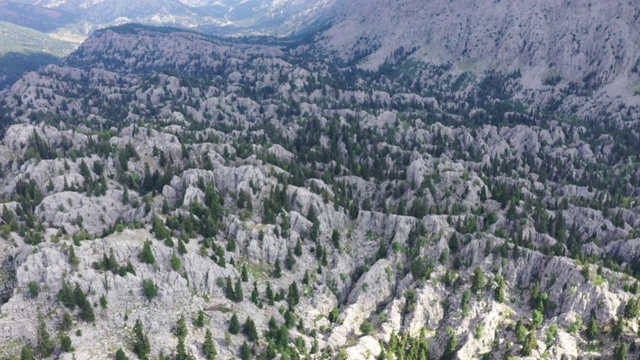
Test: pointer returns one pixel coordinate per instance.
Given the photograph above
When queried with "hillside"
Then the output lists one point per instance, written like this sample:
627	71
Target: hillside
586	49
167	193
25	49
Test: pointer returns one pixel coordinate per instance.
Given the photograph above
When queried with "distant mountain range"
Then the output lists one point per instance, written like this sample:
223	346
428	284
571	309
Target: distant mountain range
263	17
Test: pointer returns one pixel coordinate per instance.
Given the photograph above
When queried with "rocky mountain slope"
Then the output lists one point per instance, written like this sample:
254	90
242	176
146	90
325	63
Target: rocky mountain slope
166	193
570	47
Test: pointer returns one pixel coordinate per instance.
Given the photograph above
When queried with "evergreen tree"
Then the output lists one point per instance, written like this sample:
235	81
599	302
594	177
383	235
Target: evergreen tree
228	289
277	271
245	352
451	347
141	345
335	238
239	296
245	274
293	297
620	351
200	319
149	289
209	348
632	308
65	296
181	350
254	293
45	344
73	259
176	264
269	293
297	251
618	328
249	329
592	328
120	355
499	291
289	260
530	344
86	312
521	331
146	256
182	249
477	282
234	325
65	344
27	353
79	296
181	328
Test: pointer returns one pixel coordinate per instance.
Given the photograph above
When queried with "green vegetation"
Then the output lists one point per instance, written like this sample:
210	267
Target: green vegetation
149	289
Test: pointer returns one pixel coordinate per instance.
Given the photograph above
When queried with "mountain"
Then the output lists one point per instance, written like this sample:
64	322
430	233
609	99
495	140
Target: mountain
576	46
231	17
168	193
73	20
35	17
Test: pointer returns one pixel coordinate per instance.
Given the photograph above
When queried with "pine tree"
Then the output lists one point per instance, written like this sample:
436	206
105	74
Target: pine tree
65	296
477	282
499	292
176	264
234	325
120	355
182	249
65	344
181	328
269	293
277	271
617	329
79	296
592	328
632	308
521	331
254	293
181	350
200	319
245	274
335	238
293	298
530	344
451	348
209	348
245	351
73	259
620	351
149	289
45	344
239	296
289	260
141	345
297	251
146	256
27	353
249	329
228	289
